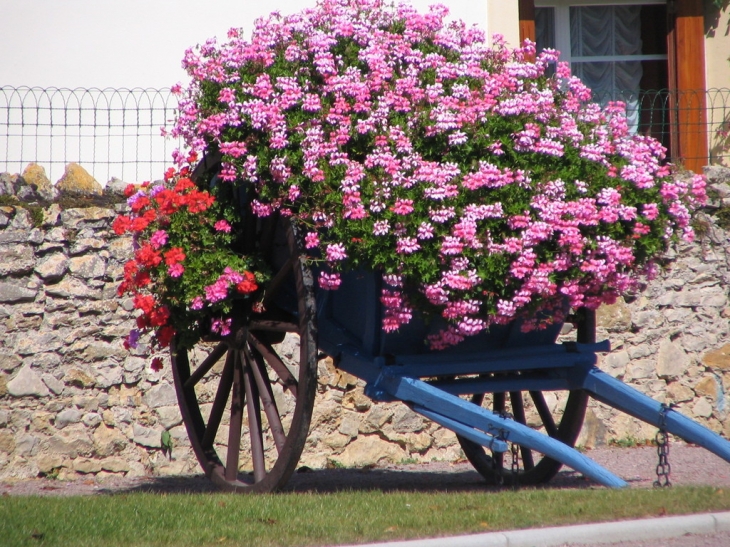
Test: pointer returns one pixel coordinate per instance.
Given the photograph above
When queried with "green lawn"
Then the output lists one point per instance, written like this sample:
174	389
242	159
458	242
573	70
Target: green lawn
136	520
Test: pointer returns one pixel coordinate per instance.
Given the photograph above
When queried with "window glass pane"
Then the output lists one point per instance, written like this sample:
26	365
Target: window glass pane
605	30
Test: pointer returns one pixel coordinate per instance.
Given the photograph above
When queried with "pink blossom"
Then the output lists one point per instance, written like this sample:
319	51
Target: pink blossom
222	226
217	291
381	227
311	240
403	206
221	326
407	245
158	239
336	252
329	281
176	270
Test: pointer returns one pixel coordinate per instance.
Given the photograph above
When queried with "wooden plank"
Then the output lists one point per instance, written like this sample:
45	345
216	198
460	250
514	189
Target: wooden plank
431	398
611	391
687	47
527	20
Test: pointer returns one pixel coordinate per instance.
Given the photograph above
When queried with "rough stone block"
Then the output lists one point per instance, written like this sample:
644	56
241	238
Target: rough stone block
9	361
38	342
678	393
7	441
27	383
67	417
78	377
702	408
350	424
672	360
160	395
52	267
87	266
108	441
369	450
16	259
707	387
115	465
53	383
34	175
12	292
50	462
77	181
70	287
169	416
146	436
718	359
86	465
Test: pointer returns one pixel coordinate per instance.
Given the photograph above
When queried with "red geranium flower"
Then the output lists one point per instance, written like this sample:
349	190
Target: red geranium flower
248	285
174	255
121	224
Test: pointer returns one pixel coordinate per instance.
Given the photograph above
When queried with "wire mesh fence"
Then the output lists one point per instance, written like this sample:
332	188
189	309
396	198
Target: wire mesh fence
110	132
117	132
694	125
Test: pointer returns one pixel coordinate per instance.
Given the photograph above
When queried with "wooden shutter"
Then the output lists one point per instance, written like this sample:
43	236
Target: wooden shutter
527	20
686	43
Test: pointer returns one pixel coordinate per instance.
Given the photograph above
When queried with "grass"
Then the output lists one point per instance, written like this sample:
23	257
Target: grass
141	520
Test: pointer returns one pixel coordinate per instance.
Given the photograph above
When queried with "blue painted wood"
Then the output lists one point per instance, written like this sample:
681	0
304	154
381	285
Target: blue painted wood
353	315
429	397
522	382
615	393
538	357
474	435
550	356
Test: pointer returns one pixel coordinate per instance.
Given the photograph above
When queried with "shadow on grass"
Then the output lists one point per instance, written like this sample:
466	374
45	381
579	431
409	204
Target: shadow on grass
413	478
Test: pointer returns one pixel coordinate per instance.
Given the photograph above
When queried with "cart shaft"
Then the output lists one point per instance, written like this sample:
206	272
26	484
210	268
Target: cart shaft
607	389
424	396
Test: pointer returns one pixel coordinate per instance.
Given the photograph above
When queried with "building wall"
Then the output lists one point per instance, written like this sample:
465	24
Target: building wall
717	75
75	403
136	43
717	47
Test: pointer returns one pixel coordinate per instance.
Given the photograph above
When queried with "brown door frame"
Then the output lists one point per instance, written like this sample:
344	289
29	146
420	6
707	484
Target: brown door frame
686	52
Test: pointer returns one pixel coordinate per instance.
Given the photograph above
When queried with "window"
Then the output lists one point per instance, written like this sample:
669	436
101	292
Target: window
618	49
599	39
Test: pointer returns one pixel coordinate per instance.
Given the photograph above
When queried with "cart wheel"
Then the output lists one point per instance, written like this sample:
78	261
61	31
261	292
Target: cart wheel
242	375
533	467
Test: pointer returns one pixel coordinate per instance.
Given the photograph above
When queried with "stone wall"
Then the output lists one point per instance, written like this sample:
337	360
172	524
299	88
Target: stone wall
74	402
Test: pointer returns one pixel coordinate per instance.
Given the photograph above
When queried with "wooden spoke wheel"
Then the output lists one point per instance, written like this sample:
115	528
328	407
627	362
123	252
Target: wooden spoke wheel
533	468
247	412
563	424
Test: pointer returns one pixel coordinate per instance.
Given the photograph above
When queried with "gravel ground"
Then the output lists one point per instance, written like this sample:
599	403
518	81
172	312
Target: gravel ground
690	466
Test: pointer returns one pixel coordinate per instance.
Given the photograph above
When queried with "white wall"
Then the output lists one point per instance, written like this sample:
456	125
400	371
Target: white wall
130	43
113	44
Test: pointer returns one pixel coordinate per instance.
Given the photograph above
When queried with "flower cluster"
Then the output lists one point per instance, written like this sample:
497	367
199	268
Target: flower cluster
483	183
185	274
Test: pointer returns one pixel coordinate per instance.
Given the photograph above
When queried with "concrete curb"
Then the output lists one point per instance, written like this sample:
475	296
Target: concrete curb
607	532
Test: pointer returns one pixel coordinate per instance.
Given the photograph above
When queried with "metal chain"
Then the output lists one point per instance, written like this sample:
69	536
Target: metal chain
497	462
502	435
663	469
515	464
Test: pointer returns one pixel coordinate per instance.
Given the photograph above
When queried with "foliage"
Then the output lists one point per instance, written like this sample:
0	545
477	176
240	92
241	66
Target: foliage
482	187
186	275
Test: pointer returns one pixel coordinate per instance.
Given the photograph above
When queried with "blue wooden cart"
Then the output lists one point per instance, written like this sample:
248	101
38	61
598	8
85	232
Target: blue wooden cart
238	393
